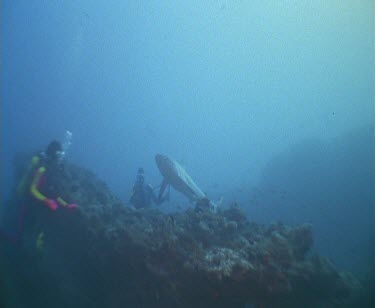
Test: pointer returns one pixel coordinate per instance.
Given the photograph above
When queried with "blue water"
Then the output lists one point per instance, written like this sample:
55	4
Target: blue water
269	104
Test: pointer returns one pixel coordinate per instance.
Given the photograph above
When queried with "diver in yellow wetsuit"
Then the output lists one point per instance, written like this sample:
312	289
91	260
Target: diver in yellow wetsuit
44	168
40	164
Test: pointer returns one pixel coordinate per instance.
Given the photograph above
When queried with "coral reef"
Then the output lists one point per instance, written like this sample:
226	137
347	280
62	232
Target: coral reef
107	254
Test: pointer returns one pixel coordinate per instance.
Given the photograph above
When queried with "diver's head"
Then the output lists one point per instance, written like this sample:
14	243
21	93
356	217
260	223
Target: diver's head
54	151
140	175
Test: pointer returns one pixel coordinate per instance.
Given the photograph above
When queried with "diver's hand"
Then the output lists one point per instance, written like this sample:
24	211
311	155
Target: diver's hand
51	204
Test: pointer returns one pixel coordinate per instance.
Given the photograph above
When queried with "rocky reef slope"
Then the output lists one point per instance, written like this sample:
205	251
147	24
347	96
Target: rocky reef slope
107	254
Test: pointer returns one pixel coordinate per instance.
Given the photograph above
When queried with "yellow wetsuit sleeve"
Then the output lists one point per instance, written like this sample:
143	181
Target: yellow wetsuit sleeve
34	185
61	201
22	185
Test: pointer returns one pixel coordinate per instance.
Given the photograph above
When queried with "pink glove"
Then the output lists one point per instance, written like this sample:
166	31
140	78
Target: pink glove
72	206
52	204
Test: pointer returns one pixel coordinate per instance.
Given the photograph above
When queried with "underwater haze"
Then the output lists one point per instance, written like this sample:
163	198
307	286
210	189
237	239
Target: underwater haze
269	104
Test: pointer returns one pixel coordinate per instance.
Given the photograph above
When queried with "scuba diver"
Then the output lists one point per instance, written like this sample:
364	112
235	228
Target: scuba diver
143	194
46	167
38	184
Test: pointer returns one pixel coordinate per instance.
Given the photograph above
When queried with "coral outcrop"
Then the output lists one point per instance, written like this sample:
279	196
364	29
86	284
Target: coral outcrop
107	254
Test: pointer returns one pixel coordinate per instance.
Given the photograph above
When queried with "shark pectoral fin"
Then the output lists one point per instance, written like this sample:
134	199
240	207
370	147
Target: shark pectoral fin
168	193
163	186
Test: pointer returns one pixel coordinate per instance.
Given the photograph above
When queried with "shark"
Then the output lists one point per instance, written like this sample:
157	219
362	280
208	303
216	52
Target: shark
177	177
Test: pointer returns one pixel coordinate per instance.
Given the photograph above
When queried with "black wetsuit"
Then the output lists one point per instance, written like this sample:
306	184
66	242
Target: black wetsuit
142	196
